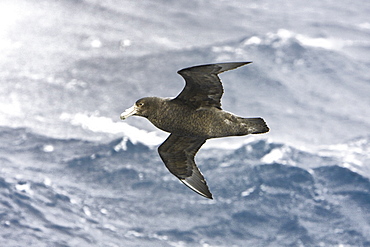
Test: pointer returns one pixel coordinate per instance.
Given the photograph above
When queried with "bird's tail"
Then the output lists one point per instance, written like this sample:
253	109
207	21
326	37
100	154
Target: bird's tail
256	125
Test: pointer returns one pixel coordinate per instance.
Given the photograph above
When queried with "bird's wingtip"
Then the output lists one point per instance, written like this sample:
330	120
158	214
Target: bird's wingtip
202	190
222	67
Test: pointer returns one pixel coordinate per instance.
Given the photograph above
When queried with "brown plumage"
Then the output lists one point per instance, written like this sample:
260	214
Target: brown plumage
194	116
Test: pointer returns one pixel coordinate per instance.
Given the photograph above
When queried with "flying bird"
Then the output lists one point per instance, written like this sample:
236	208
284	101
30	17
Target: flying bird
194	116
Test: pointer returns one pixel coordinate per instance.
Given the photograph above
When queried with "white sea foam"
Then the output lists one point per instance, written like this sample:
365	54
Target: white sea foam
274	156
281	37
106	125
364	25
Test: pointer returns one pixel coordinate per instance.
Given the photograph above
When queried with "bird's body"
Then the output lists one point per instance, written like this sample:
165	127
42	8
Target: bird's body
206	122
194	116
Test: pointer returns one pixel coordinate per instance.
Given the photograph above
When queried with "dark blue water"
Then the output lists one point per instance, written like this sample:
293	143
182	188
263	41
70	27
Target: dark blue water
94	194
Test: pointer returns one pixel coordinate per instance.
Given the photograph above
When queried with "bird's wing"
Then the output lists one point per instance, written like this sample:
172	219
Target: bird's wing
203	86
177	153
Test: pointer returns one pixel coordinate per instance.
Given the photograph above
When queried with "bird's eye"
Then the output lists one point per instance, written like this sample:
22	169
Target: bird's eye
140	104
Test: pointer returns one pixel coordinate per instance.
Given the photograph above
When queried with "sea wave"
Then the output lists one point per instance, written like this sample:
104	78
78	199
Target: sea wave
283	36
106	125
83	193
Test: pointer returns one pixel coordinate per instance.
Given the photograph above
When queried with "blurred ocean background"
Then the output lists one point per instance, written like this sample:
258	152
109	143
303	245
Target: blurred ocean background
73	174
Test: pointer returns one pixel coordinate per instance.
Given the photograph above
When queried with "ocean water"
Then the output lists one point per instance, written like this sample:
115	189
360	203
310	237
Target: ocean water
73	174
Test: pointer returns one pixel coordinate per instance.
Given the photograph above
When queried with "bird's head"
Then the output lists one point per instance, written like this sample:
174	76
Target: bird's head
142	108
